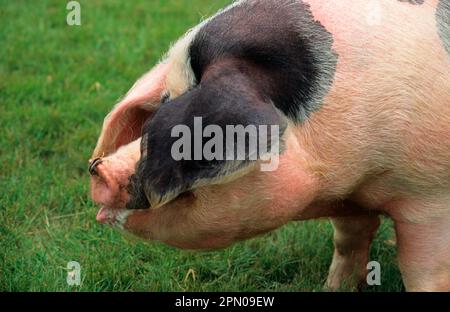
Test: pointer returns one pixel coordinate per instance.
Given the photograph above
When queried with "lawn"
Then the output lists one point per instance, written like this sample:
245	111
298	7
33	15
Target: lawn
56	85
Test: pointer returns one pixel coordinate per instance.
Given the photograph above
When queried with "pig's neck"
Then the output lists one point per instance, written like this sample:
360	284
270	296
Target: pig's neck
299	184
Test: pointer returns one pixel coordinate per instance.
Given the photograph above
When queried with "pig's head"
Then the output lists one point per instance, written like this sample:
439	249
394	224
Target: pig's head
239	77
197	204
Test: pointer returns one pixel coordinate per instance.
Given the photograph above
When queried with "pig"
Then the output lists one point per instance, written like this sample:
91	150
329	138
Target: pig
360	91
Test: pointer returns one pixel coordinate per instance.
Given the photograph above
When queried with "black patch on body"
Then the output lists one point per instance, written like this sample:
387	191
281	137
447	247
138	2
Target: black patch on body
283	40
443	23
227	97
415	2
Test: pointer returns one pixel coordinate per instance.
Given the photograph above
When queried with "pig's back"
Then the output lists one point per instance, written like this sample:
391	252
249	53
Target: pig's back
388	110
395	38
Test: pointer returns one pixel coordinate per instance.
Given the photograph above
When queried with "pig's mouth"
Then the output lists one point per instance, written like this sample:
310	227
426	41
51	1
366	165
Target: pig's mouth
113	217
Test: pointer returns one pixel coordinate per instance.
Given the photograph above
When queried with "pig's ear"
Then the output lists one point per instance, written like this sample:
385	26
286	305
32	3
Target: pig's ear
175	132
124	123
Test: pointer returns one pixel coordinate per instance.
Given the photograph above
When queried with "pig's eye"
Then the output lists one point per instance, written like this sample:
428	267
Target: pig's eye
165	98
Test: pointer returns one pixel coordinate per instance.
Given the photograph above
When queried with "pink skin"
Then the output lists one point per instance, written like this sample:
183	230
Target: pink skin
384	151
108	187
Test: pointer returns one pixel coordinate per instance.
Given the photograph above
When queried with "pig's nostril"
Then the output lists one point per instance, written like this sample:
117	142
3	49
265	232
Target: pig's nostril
93	166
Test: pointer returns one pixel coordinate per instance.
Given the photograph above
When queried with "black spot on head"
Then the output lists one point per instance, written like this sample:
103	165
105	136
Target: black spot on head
226	96
443	23
292	51
414	2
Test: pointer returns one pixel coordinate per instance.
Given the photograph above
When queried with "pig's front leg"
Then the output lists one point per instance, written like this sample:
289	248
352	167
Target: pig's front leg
352	238
424	246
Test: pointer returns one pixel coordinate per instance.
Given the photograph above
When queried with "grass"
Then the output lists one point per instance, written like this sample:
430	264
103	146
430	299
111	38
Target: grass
56	85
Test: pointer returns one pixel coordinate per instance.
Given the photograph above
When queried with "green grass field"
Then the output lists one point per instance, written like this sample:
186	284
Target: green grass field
56	85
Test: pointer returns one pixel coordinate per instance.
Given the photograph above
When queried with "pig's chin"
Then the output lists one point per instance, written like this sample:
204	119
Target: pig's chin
113	217
117	217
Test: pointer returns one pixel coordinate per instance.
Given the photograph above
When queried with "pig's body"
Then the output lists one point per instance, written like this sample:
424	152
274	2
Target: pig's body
379	143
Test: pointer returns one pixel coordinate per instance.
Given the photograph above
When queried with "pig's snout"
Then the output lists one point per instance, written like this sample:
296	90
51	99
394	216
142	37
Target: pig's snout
104	187
110	178
108	189
93	166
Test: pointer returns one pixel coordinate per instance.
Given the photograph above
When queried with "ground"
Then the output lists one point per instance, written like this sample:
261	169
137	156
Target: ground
57	83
